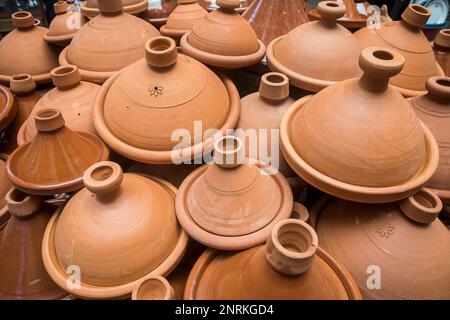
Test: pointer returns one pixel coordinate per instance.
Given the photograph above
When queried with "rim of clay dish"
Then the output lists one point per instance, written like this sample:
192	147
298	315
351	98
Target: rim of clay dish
346	22
131	9
216	60
89	291
353	192
173	33
9	112
190	291
60	40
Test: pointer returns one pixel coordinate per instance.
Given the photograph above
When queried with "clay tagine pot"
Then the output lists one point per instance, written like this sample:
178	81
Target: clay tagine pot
22	272
8	108
55	159
158	11
212	5
173	173
137	110
401	244
434	110
64	25
73	97
16	47
406	38
120	229
182	19
441	48
317	54
359	139
290	266
153	288
92	8
121	36
236	47
352	19
5	186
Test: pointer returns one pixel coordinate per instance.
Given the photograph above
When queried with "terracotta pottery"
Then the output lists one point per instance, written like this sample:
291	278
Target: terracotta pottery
119	230
153	288
158	11
8	108
92	8
64	25
390	241
274	18
406	38
173	173
236	47
317	54
434	110
212	5
137	110
55	159
5	186
73	97
441	48
16	47
352	19
290	266
22	272
183	18
359	139
107	43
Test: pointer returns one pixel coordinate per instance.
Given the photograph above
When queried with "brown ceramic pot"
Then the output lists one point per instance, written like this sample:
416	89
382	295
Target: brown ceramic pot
92	8
119	230
158	11
137	110
290	266
121	36
153	288
383	244
73	97
352	19
16	47
8	108
22	272
406	37
5	186
212	5
236	47
359	139
55	159
441	48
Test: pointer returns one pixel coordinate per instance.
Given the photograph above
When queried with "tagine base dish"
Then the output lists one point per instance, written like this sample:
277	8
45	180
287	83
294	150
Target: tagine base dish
407	93
131	9
62	39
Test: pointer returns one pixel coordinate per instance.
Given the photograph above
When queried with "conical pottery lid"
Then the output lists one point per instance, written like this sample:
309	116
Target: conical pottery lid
55	159
158	11
237	46
138	110
406	38
353	19
16	47
368	240
73	97
183	18
8	109
121	36
434	110
22	272
5	185
359	139
290	266
117	230
91	8
317	54
442	41
254	200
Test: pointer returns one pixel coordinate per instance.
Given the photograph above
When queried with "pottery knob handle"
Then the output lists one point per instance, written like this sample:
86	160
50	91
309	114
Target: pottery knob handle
48	120
229	152
21	204
300	212
61	7
439	89
380	62
103	177
153	288
22	84
422	207
23	19
65	76
274	86
161	52
443	39
416	15
228	4
110	6
331	10
291	247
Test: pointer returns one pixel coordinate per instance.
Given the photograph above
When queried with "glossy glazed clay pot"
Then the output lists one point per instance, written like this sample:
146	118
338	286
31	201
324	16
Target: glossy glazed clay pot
406	38
56	158
92	8
120	229
290	266
359	139
153	288
317	54
16	47
22	272
236	47
441	48
5	186
158	11
138	109
384	240
107	43
8	108
352	19
73	97
212	5
183	18
434	110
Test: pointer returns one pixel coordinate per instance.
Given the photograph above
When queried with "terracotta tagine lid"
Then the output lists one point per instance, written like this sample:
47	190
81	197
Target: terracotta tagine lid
274	18
352	19
434	110
137	110
8	108
121	37
212	5
119	230
441	47
73	97
92	8
153	288
359	139
55	159
183	18
236	47
158	11
22	272
255	199
290	266
5	186
16	47
317	54
406	38
391	242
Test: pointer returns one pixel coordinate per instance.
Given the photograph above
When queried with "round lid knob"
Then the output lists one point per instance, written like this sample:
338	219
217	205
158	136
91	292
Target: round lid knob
47	120
330	10
21	204
228	4
66	76
103	177
439	89
274	86
153	288
228	152
23	19
161	52
422	207
416	15
61	7
110	6
22	84
443	39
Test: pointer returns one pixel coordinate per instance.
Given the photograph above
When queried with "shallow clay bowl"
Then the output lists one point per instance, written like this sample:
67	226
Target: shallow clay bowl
131	9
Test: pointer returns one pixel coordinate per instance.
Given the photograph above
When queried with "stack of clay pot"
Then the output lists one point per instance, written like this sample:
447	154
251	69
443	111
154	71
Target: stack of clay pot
441	48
